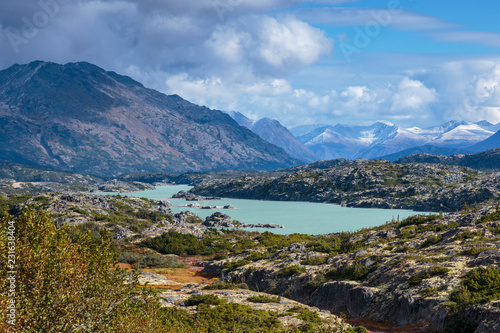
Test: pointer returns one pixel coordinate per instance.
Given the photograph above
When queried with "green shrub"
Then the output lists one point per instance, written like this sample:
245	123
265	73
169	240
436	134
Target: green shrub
314	261
314	284
432	241
129	258
153	216
222	285
474	249
13	200
490	217
264	299
292	270
205	299
176	243
466	234
357	329
255	256
79	210
155	260
309	316
427	274
479	285
42	200
417	220
232	317
220	257
66	281
230	265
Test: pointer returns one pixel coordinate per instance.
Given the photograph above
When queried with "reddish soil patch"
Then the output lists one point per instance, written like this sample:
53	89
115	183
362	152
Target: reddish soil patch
189	274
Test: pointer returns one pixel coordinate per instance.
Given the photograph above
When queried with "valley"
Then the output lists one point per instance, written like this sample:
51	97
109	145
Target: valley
138	211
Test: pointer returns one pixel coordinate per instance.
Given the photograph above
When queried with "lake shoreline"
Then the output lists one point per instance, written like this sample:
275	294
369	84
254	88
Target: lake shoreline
312	218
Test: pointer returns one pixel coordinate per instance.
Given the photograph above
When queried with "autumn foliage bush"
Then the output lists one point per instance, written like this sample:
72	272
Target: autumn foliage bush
66	281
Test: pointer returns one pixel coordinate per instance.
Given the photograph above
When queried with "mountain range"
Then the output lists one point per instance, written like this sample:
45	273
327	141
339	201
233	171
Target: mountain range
79	117
380	140
383	139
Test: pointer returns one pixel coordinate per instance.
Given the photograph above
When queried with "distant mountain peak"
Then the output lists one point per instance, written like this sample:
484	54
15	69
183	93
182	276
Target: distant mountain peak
385	122
272	131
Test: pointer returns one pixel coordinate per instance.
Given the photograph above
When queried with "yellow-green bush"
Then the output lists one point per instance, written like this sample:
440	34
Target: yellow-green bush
67	282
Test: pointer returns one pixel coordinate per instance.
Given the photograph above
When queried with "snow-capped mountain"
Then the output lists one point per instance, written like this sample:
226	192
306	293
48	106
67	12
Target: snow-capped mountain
383	138
456	134
339	141
272	131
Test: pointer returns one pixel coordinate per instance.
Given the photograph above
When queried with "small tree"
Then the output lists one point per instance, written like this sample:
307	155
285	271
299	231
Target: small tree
67	281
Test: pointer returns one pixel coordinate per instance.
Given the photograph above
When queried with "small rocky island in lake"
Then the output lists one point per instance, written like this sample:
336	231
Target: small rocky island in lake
220	220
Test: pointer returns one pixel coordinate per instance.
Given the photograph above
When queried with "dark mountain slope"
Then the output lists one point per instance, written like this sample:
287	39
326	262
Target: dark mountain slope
78	117
426	149
489	159
490	143
272	131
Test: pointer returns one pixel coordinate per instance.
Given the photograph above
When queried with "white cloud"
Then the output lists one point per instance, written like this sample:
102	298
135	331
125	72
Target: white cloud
412	95
468	37
348	17
247	55
290	42
228	44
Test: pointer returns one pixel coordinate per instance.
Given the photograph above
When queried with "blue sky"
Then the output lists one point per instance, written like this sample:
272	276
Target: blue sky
410	62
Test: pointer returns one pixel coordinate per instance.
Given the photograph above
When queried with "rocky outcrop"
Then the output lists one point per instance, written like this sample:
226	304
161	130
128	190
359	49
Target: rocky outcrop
367	184
186	196
120	186
220	220
190	196
401	273
485	160
286	309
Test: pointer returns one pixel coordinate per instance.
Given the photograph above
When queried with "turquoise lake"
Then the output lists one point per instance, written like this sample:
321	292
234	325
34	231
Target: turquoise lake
297	217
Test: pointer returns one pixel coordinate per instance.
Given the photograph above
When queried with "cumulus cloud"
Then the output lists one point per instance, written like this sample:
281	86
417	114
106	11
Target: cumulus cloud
261	57
413	95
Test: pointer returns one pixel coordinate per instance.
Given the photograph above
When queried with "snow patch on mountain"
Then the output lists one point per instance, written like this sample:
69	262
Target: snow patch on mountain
384	138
